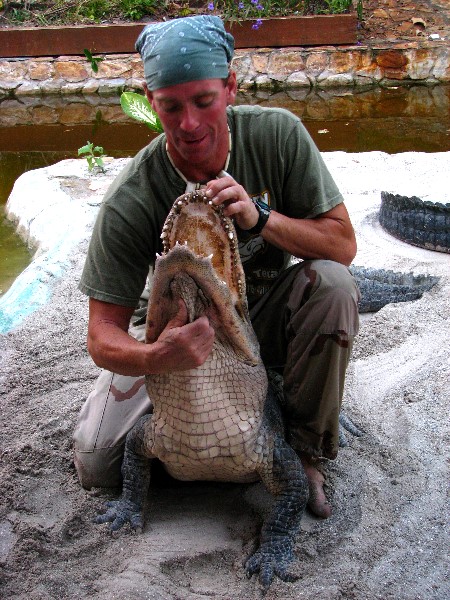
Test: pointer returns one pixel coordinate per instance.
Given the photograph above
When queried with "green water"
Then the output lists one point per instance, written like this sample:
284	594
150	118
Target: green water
38	132
14	254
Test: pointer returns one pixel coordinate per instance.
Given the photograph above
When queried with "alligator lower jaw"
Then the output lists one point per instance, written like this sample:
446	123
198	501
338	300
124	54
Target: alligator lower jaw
182	274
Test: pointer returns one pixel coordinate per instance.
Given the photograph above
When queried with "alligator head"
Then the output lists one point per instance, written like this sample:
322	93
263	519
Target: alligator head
201	265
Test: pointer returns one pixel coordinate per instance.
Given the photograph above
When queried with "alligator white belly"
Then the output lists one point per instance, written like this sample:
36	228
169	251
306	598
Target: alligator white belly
203	425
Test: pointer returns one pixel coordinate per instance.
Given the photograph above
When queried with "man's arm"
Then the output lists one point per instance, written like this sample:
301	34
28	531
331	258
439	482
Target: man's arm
180	346
327	236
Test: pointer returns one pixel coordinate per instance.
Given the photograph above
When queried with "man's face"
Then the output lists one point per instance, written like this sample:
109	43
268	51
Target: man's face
194	118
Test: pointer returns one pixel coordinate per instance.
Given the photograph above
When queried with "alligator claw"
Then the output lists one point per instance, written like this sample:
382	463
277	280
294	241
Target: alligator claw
346	424
270	560
119	513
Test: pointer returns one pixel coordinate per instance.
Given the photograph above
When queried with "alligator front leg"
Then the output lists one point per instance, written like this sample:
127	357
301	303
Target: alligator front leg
287	480
136	480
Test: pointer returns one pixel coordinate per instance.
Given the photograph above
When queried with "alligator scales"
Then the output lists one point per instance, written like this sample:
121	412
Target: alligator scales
218	422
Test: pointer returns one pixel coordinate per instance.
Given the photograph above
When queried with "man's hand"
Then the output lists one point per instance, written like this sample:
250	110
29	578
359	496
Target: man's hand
181	345
235	200
184	345
328	236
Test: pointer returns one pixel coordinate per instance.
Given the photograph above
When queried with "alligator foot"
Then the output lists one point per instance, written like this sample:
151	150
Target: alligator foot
346	424
285	477
119	512
129	508
272	559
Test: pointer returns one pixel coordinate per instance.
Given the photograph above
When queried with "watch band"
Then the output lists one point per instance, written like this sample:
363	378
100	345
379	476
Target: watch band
264	214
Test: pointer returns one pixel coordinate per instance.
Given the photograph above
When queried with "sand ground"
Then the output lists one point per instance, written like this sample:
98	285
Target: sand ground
388	535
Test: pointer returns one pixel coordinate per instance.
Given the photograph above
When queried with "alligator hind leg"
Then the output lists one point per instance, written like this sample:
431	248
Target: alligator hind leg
286	478
136	480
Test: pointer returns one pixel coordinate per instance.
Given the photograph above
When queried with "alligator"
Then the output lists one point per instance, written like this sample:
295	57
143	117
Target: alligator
415	221
379	287
222	421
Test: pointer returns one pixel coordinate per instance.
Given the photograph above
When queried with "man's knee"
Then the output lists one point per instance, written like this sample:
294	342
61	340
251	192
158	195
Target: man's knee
99	468
324	297
333	277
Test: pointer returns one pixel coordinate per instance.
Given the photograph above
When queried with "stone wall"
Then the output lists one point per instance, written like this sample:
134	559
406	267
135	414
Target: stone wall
430	102
263	68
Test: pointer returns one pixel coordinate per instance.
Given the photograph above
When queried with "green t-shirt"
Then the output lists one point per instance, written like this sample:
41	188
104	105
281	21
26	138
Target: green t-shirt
272	157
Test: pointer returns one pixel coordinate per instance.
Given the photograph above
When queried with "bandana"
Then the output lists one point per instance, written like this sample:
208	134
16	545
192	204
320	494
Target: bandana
186	49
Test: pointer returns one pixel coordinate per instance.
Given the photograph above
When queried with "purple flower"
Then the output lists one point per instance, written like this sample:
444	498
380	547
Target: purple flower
257	24
254	1
241	6
259	7
211	6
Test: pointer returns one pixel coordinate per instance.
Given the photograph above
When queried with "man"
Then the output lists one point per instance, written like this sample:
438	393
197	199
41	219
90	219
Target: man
262	166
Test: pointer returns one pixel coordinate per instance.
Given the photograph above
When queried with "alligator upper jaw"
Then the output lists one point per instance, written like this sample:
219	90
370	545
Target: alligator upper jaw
194	221
201	265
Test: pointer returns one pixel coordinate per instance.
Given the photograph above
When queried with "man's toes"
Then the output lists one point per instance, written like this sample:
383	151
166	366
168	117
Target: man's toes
319	505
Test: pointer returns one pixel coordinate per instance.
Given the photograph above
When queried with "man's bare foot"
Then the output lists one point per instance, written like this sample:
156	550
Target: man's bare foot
318	502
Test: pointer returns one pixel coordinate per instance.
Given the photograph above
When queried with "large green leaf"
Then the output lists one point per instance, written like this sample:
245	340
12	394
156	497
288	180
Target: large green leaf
138	107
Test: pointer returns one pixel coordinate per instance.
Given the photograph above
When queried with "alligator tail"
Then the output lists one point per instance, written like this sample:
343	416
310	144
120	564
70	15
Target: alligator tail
379	287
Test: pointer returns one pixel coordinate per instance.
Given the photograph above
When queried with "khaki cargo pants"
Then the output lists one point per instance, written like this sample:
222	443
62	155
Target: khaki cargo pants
305	324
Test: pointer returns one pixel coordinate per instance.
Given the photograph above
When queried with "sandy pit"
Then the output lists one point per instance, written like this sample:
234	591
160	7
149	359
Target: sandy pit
388	535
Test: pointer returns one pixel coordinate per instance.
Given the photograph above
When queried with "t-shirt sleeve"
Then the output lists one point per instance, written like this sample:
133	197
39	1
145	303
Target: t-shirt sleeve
123	244
308	188
115	269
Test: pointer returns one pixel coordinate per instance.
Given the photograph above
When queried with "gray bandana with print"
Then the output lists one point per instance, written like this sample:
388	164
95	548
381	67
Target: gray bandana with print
183	50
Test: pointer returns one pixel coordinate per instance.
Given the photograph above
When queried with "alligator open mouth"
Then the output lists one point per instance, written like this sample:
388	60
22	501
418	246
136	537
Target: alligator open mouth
196	222
201	265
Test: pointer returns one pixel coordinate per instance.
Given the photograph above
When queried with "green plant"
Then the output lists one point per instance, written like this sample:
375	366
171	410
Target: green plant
19	16
136	9
139	108
97	10
93	60
94	10
359	9
338	6
64	12
93	155
232	10
236	10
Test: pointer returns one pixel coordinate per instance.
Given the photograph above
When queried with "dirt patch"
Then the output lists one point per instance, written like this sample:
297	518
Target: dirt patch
396	20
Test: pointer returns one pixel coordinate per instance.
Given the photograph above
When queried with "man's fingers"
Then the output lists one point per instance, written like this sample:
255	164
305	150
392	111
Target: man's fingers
181	318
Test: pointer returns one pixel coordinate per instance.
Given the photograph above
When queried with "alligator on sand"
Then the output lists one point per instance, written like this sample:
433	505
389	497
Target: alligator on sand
222	421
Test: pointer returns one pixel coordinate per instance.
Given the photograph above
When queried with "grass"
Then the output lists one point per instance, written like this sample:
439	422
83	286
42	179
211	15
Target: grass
69	12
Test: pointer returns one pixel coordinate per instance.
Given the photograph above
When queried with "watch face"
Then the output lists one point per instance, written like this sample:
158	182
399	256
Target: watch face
262	205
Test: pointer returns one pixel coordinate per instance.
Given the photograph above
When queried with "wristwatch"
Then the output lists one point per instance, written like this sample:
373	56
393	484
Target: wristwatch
264	213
